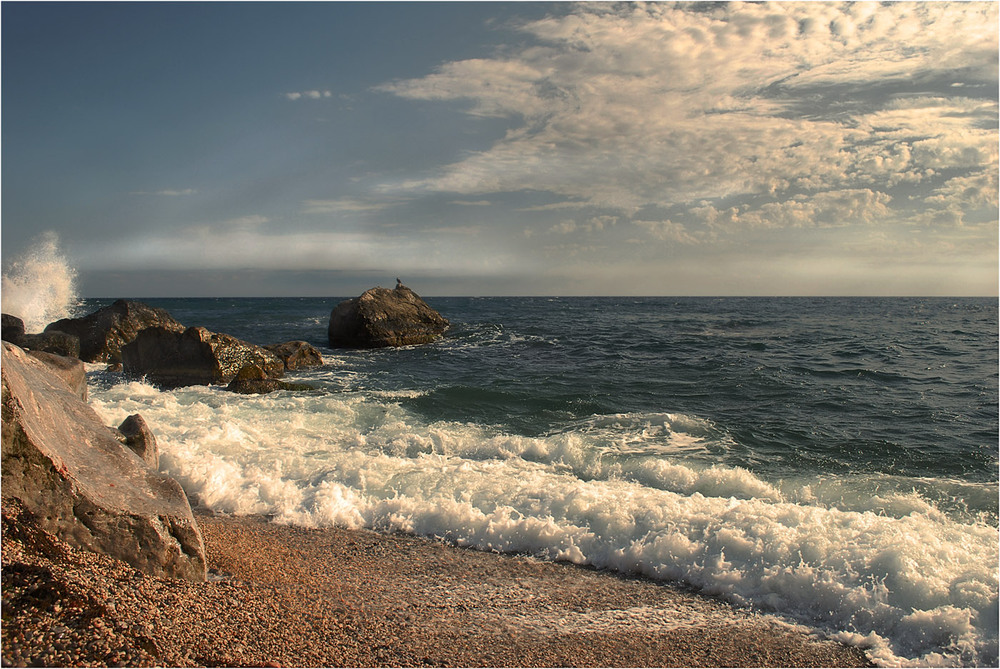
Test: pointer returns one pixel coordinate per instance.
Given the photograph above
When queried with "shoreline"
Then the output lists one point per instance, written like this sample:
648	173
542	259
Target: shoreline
287	596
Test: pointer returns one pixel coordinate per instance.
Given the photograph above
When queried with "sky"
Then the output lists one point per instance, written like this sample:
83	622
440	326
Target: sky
321	148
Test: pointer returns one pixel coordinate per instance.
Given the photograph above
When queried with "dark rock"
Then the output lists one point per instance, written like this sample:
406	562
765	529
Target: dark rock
103	333
140	440
82	485
71	370
251	380
297	354
13	329
195	356
381	317
53	341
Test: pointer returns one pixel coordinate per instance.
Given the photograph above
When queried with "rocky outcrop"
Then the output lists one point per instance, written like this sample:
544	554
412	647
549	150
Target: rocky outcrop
382	317
297	354
82	485
251	380
52	341
13	329
136	435
103	333
196	356
71	370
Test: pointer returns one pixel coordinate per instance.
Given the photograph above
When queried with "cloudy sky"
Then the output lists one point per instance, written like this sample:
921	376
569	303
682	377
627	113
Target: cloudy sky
505	148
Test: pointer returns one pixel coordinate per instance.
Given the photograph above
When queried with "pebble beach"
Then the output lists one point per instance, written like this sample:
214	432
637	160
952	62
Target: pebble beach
287	596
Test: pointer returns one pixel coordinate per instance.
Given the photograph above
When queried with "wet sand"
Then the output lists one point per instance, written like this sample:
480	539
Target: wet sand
284	596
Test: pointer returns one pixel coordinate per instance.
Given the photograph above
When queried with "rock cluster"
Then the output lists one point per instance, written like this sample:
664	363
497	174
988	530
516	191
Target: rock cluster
103	333
381	317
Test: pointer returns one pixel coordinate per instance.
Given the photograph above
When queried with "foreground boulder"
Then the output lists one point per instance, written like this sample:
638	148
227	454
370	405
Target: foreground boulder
196	356
71	370
382	317
297	354
82	485
103	333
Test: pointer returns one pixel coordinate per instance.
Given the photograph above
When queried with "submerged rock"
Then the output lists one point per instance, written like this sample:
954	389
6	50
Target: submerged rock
195	356
297	354
382	317
104	332
83	486
251	380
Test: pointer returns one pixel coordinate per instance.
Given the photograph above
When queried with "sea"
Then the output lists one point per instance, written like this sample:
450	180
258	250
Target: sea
832	462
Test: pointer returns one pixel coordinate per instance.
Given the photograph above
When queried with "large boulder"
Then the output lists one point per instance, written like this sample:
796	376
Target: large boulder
196	356
297	354
52	341
103	333
13	329
82	485
71	370
382	317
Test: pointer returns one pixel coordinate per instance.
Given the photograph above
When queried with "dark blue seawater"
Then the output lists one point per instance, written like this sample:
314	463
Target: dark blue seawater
884	409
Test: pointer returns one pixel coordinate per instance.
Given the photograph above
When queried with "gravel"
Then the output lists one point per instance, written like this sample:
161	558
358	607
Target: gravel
286	596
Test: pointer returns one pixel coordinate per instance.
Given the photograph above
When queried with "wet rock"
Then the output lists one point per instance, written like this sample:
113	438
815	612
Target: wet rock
52	341
252	380
13	329
103	333
382	317
82	484
140	440
196	356
297	354
71	370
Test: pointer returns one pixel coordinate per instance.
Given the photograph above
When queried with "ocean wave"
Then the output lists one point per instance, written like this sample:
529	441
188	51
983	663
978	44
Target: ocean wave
895	574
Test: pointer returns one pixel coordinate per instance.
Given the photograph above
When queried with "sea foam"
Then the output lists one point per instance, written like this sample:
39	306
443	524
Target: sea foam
39	287
909	583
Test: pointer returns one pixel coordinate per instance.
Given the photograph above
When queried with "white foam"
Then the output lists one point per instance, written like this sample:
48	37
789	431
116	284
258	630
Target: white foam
39	287
909	583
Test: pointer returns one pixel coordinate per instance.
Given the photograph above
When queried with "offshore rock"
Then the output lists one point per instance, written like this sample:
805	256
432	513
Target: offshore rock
382	317
251	380
13	329
196	356
53	341
103	333
71	370
297	354
82	485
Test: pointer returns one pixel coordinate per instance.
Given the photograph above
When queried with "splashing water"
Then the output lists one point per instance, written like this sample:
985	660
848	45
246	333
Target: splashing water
40	286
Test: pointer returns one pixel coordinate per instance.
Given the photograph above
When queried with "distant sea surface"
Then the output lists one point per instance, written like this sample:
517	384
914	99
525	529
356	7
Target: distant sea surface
831	461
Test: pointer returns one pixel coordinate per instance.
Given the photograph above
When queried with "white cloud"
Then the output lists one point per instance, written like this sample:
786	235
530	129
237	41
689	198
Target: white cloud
308	95
344	205
804	105
168	192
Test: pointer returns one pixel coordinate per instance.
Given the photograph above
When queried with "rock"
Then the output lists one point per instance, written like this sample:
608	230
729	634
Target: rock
103	333
53	341
297	354
140	440
251	380
85	487
381	317
71	370
13	329
195	356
